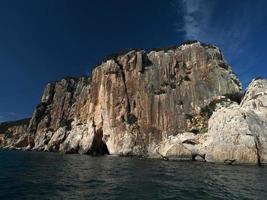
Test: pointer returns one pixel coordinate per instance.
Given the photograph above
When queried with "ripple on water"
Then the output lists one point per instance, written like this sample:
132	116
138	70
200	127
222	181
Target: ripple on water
40	175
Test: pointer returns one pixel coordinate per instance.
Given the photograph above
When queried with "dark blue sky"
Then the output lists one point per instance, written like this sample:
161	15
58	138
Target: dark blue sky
45	40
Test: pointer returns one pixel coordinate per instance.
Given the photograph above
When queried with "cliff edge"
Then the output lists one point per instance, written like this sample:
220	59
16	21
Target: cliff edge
160	104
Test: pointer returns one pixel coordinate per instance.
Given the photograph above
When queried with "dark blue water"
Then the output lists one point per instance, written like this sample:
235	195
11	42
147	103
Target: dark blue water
35	175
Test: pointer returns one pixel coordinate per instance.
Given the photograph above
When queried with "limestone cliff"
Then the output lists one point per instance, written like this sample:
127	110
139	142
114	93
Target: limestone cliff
154	104
238	133
11	133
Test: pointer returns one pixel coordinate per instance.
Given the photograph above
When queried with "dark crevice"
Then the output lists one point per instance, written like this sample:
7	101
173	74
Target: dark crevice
257	145
229	161
128	106
189	141
163	157
203	156
38	115
50	100
129	117
99	147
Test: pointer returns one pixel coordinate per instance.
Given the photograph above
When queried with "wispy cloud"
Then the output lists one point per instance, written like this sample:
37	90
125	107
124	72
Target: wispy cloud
229	28
200	23
195	18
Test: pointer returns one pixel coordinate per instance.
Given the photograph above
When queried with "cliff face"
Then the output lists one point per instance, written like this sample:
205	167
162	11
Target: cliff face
139	99
238	133
62	102
146	104
11	133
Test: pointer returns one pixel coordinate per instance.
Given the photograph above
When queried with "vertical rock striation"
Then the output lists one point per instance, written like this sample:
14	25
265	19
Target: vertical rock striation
156	104
139	99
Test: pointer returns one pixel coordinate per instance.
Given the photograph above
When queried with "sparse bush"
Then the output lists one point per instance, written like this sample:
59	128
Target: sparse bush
66	123
236	97
8	135
258	78
224	66
130	118
145	60
159	91
165	49
87	80
173	86
208	45
189	42
207	110
236	82
195	131
188	116
186	78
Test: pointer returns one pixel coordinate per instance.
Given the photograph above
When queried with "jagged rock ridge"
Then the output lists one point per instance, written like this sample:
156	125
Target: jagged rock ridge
135	103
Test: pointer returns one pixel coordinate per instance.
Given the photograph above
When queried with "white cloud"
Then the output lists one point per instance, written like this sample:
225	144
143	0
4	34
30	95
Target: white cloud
229	29
200	23
196	15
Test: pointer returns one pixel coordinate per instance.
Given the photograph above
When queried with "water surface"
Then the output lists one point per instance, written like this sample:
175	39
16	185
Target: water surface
40	175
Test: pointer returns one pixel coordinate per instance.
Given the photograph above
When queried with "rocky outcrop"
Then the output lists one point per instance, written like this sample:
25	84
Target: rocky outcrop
14	134
238	133
157	104
139	99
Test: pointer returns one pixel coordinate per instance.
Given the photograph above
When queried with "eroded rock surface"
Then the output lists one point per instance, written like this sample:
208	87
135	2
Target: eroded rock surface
14	134
177	103
239	133
139	99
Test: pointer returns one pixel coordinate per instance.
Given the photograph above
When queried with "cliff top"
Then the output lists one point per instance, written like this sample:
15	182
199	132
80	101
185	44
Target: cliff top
115	56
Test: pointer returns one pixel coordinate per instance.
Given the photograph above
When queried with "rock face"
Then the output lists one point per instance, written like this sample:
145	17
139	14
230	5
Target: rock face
14	134
239	133
155	104
139	99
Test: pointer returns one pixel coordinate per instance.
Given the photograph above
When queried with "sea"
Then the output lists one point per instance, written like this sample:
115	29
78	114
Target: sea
46	175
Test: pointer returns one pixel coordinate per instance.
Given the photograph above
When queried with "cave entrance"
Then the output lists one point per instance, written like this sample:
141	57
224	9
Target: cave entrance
99	147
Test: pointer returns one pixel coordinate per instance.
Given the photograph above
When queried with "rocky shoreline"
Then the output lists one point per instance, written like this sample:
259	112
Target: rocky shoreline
180	103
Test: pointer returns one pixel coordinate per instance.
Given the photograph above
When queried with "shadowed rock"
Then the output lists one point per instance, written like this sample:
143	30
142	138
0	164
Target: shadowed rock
174	103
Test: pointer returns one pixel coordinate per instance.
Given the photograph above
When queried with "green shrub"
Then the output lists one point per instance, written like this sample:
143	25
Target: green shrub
173	86
159	91
224	66
259	78
207	110
66	123
186	78
208	45
165	49
188	116
189	42
195	131
8	135
87	80
145	60
130	118
236	97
